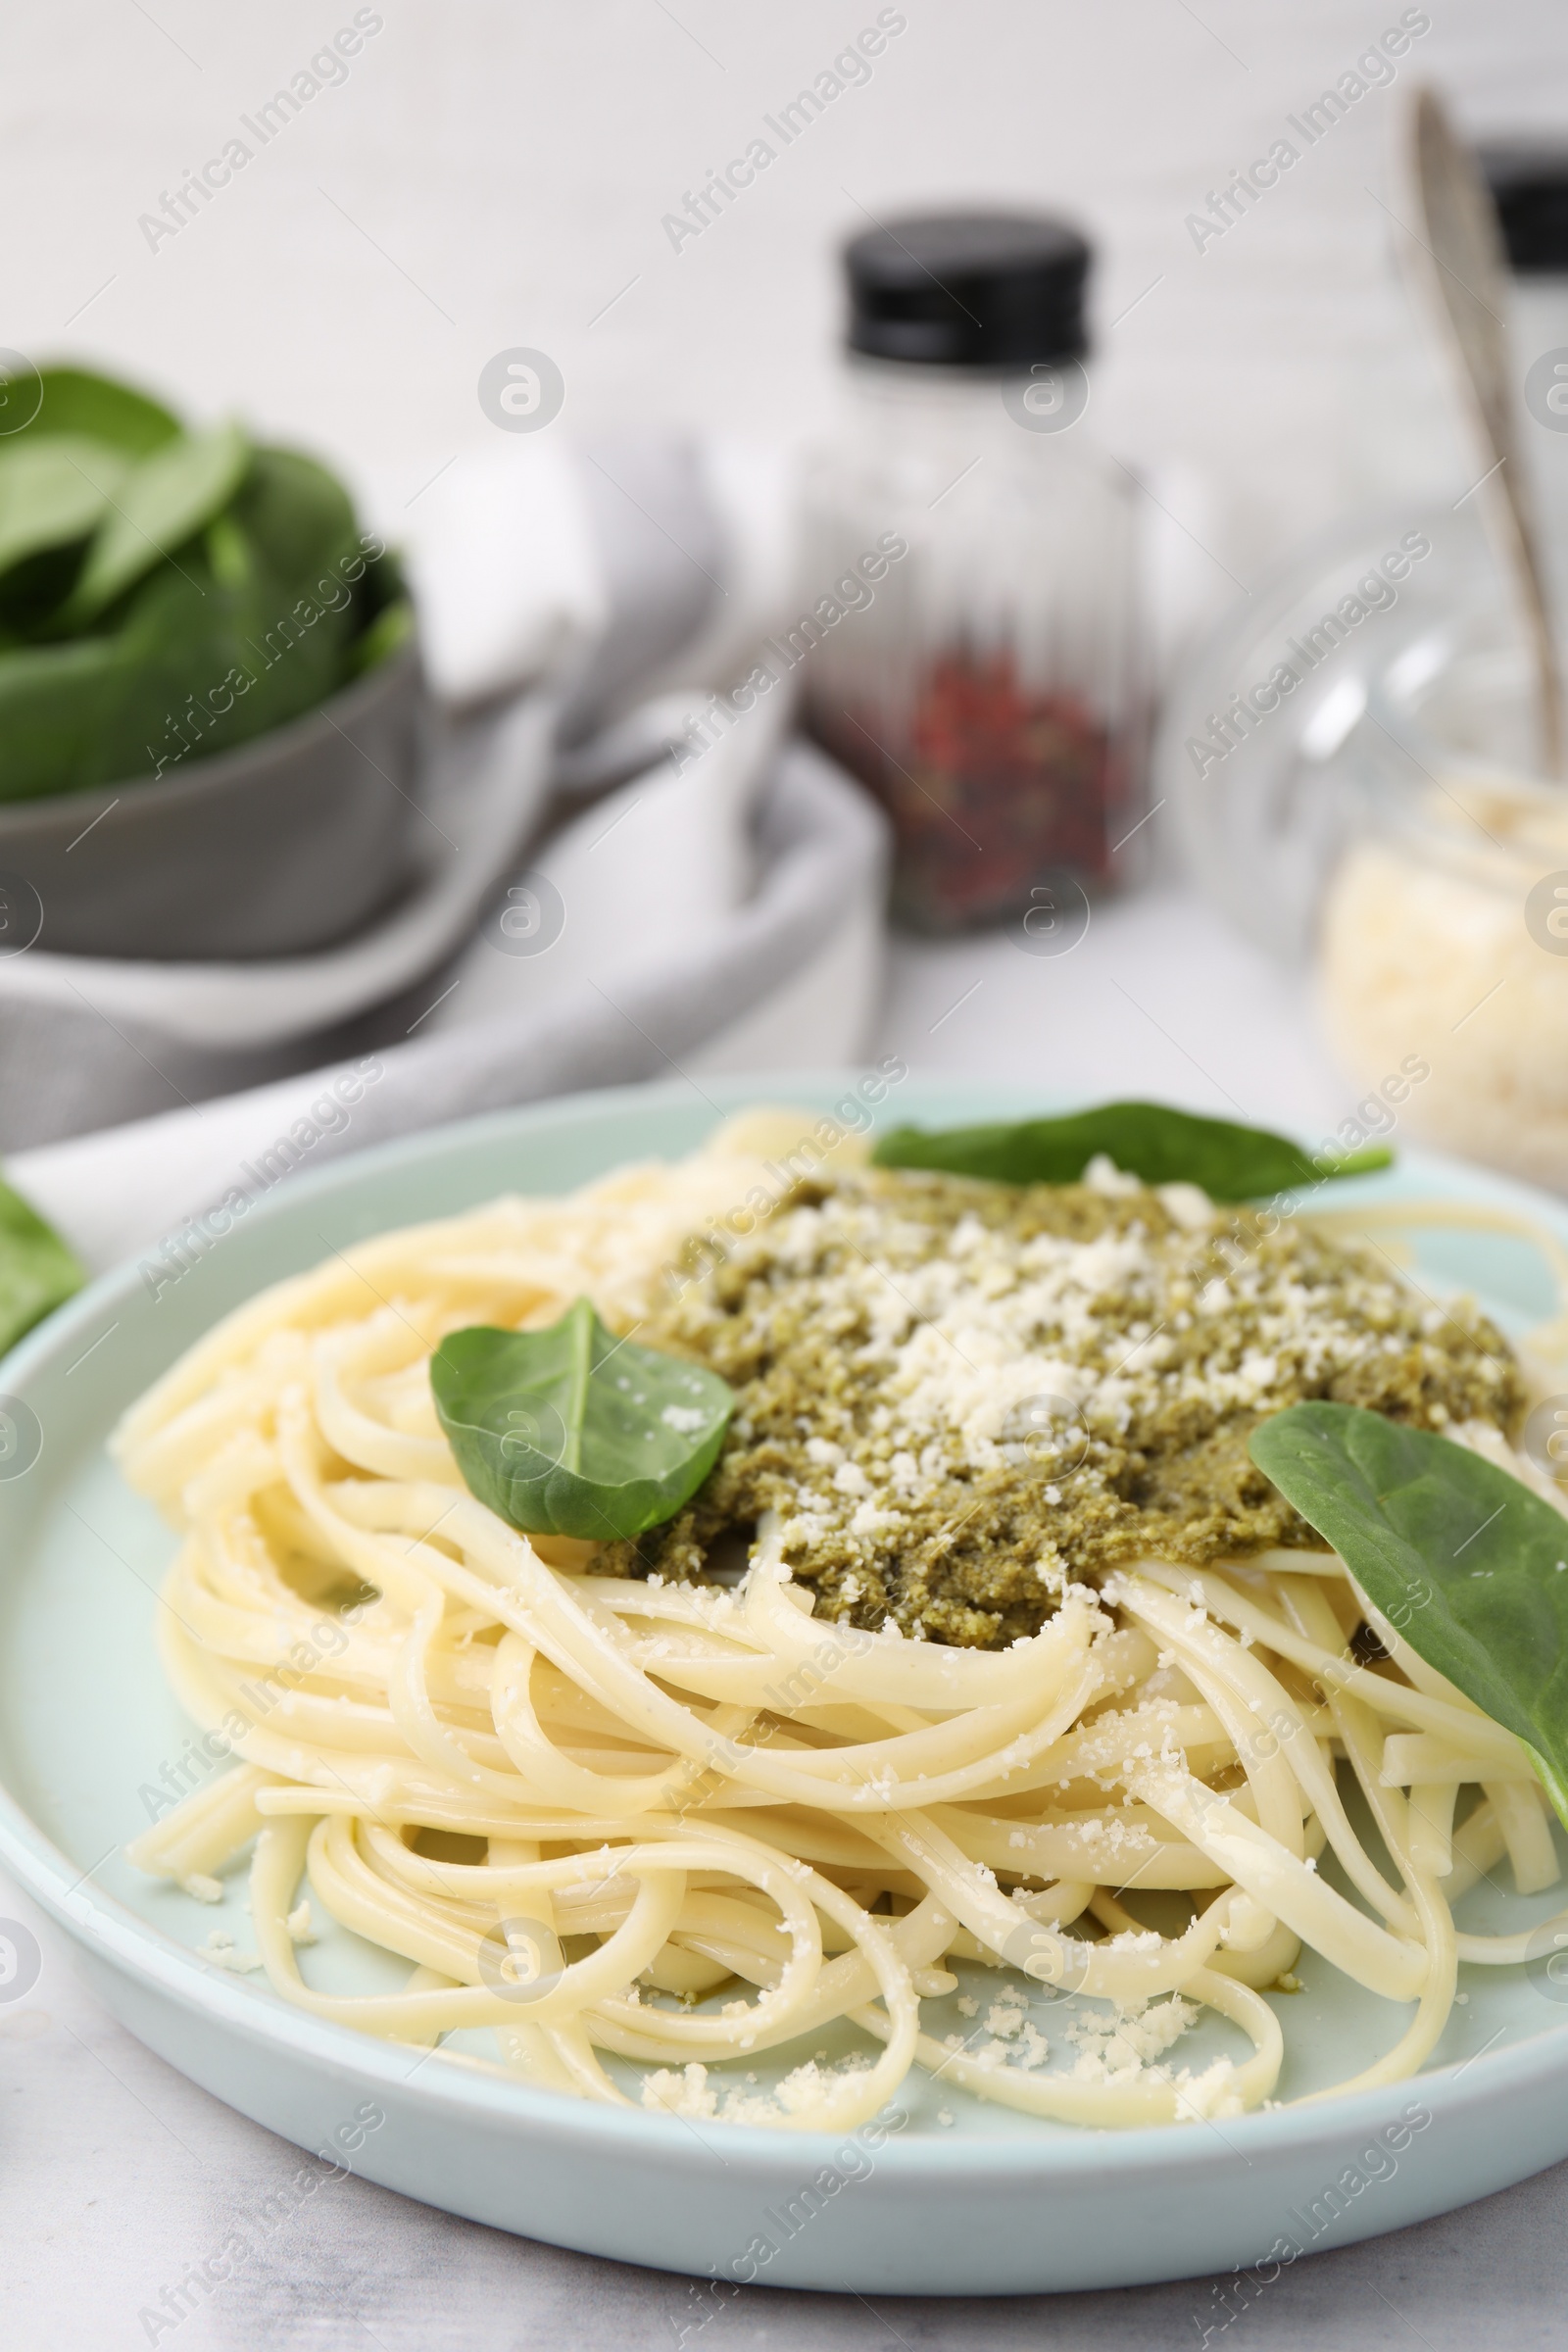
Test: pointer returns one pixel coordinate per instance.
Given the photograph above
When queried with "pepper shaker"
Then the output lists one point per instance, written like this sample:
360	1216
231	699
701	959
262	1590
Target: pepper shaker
969	575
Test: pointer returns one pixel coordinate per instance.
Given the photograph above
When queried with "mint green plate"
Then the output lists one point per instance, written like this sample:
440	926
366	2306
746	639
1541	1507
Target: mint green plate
958	2197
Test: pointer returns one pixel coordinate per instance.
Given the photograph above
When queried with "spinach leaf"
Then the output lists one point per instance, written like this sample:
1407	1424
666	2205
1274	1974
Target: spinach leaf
298	515
163	501
571	1431
166	596
73	400
1148	1140
58	708
37	1272
1464	1560
54	492
387	634
196	665
199	657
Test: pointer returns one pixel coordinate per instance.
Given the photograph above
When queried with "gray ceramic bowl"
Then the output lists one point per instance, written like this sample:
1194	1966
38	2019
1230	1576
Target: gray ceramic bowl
282	846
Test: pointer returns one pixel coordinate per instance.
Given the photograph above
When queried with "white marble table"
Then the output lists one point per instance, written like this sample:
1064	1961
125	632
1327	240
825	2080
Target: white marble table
1155	998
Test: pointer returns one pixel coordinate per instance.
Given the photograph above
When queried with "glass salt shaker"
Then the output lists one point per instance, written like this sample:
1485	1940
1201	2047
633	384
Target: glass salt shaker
968	621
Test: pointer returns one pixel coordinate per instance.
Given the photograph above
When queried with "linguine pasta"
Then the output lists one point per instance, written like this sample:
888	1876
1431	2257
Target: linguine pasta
579	1805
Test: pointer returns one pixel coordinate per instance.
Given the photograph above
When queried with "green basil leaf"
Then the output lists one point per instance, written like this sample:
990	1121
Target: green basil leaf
164	500
37	1272
572	1431
73	400
1148	1140
54	492
1464	1560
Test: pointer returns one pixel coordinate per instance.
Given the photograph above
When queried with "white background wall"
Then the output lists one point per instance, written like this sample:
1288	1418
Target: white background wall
495	174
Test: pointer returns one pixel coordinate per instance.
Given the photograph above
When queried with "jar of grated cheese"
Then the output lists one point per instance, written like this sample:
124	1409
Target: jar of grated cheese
1444	930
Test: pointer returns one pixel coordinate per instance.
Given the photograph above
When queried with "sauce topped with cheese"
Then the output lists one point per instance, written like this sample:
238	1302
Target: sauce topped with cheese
957	1395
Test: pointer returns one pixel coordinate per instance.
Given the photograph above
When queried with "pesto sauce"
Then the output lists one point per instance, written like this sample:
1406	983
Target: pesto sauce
889	1332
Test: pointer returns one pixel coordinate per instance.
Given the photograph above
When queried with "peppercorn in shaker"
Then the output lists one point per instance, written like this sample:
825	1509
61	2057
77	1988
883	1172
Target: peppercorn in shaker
969	567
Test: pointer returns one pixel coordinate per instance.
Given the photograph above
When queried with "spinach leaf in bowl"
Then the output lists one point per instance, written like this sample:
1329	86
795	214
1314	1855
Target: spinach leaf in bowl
54	494
162	503
168	595
73	400
298	516
122	702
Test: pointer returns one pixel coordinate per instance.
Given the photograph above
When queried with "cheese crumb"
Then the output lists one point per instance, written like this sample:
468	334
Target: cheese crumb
221	1950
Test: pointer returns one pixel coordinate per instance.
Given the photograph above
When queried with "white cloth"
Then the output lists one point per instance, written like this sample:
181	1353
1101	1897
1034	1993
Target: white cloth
495	619
797	967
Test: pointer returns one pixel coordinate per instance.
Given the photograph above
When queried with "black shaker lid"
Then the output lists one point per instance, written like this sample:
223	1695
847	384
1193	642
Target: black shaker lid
1528	183
969	290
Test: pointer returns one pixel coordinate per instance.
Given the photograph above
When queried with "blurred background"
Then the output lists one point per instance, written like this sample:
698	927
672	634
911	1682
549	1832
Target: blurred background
559	299
500	177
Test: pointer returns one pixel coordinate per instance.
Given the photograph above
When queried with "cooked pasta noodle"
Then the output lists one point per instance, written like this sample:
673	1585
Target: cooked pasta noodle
578	1806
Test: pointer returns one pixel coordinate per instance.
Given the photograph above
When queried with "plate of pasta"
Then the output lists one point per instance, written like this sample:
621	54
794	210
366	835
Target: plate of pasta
898	1690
